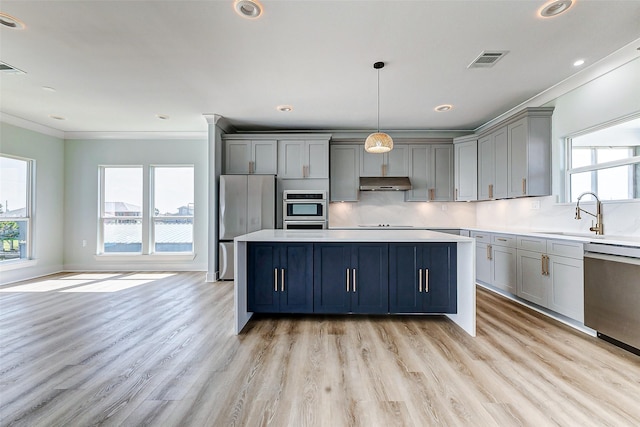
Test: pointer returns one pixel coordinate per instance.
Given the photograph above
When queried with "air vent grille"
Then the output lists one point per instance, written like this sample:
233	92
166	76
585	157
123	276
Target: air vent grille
6	68
487	59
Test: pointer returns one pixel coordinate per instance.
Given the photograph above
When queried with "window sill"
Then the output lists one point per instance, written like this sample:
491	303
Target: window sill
17	264
145	258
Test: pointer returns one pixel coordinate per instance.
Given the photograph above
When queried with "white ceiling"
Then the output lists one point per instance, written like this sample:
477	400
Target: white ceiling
115	65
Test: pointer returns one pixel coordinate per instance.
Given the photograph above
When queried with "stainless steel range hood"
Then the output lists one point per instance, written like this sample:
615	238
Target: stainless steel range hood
386	183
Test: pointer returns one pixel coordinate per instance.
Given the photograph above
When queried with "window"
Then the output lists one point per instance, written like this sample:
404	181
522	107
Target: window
15	208
173	209
121	206
605	162
128	224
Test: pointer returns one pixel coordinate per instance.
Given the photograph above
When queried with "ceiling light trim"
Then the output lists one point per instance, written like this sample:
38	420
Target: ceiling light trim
249	9
11	22
555	8
443	108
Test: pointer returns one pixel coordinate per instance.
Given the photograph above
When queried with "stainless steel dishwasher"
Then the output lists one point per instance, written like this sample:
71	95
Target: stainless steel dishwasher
612	293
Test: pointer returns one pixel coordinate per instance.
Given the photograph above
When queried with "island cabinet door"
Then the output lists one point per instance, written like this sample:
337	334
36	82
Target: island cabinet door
332	278
439	278
263	278
405	290
370	278
296	278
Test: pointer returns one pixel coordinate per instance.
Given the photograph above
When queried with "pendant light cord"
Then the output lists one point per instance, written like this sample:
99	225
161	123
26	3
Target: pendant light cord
378	106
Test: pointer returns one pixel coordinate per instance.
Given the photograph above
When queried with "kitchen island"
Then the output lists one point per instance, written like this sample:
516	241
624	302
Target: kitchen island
387	272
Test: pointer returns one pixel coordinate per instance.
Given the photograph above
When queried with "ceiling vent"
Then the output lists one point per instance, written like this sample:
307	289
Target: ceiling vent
6	68
487	59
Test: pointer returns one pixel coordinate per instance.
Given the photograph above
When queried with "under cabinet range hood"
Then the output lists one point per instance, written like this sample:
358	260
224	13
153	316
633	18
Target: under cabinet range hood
387	183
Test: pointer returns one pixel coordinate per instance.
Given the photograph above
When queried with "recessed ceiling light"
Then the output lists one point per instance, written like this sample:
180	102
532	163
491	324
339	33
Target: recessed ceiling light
250	9
555	8
578	63
54	117
11	22
284	108
48	89
443	108
162	116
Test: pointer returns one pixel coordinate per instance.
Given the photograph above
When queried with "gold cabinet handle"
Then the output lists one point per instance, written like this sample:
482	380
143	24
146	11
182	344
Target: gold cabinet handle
426	280
542	265
502	240
419	280
250	167
489	251
546	267
524	185
455	195
491	191
275	279
354	280
432	194
347	280
384	170
282	280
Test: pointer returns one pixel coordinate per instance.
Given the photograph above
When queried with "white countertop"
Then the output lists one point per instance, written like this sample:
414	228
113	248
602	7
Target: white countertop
362	235
633	241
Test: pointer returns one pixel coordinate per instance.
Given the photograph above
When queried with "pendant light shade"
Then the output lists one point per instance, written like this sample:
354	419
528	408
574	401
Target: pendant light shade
378	142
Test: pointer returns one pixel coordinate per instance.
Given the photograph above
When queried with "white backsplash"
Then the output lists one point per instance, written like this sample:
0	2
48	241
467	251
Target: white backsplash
389	207
619	218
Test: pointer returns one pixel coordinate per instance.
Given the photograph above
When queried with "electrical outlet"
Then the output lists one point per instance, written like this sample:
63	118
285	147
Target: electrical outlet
535	204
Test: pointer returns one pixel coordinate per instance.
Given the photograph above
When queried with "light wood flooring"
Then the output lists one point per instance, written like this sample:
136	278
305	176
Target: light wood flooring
145	349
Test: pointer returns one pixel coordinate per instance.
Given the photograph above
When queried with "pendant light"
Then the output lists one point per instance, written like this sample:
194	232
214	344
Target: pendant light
378	142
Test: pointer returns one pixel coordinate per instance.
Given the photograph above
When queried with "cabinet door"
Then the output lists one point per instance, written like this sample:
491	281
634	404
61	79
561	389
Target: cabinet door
397	161
405	293
296	283
291	154
237	156
501	177
566	294
371	164
263	282
370	278
440	283
484	265
264	157
332	278
345	160
531	284
317	159
486	167
517	163
504	268
441	172
419	159
466	171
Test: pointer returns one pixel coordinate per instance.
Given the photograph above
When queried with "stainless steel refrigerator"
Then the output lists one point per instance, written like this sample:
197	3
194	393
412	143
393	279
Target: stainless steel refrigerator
247	204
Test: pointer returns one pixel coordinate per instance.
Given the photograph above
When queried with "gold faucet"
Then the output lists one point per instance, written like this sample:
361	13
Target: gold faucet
599	227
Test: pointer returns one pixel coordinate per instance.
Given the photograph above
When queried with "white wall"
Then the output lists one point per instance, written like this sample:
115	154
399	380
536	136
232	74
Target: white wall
48	239
609	97
82	159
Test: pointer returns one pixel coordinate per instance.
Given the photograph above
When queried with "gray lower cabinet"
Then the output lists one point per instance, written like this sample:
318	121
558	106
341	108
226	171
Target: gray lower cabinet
345	167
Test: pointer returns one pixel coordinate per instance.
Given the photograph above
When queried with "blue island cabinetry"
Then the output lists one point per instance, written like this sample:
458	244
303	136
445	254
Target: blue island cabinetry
280	277
339	278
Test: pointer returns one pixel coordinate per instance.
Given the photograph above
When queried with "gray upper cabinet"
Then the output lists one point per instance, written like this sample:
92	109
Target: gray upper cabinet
529	165
393	163
514	159
492	165
430	172
345	167
466	168
303	159
246	156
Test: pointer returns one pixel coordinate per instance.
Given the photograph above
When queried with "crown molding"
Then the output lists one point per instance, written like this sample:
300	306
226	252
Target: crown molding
136	135
29	125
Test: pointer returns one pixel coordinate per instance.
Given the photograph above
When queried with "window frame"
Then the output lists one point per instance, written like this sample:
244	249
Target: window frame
147	217
569	170
29	211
